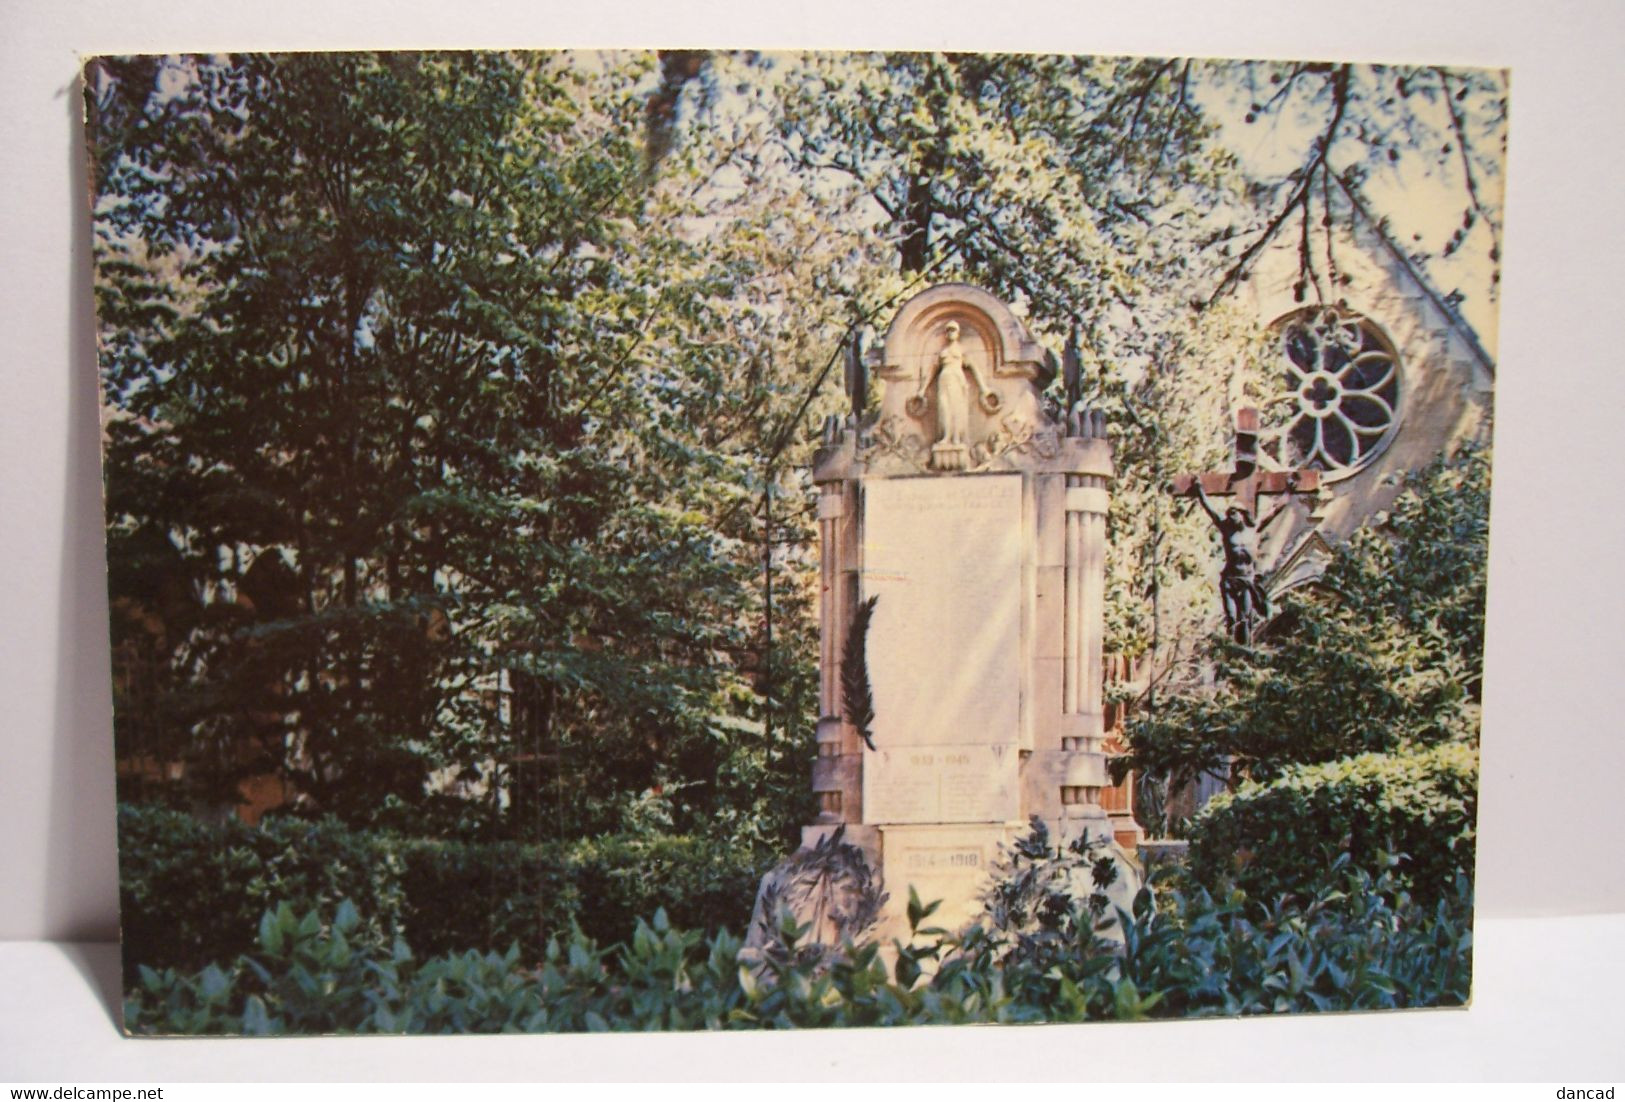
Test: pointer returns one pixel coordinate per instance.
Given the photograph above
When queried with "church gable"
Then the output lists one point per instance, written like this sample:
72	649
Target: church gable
1362	342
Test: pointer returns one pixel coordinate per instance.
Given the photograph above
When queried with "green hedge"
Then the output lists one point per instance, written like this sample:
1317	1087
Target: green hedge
193	892
490	895
1346	947
1418	808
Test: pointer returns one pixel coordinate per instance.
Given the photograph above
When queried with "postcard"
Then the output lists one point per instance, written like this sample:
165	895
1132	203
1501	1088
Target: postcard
720	539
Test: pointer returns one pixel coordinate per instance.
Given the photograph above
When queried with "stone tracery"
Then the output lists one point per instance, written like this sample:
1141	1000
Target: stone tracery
1339	398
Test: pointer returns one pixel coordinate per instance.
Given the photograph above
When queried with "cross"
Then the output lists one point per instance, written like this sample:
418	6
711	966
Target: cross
1247	483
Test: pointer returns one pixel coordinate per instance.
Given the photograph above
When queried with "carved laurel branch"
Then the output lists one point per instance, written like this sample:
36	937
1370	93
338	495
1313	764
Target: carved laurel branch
893	436
857	698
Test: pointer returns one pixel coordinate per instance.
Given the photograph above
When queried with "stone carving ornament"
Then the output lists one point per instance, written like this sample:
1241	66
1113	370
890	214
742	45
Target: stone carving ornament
828	888
963	390
1017	434
897	437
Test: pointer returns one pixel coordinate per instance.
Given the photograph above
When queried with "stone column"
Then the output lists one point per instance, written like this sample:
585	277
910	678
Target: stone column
837	770
1083	764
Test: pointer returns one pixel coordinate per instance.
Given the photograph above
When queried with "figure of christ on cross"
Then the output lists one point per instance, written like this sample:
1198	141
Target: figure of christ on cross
1240	591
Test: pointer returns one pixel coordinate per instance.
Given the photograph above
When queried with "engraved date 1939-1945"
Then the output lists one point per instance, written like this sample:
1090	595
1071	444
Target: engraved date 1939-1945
926	760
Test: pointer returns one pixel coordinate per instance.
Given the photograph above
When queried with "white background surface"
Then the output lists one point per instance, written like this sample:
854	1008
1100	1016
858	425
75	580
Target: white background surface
1553	761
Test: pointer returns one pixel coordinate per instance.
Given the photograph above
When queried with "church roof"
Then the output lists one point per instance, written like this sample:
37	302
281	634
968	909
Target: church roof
1413	271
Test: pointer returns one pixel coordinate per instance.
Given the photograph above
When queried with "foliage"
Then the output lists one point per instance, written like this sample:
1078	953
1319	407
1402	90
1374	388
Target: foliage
1174	416
1357	946
1425	565
491	895
1015	168
1040	898
430	424
1274	839
1384	653
1333	686
192	892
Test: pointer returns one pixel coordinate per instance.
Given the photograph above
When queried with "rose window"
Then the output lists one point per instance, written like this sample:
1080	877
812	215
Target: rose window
1339	401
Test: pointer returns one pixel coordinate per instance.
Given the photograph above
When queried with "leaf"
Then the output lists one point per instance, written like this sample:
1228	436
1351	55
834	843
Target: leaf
918	912
212	982
908	969
270	934
256	1021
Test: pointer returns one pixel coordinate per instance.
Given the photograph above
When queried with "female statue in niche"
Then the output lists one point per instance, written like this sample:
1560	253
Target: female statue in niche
953	401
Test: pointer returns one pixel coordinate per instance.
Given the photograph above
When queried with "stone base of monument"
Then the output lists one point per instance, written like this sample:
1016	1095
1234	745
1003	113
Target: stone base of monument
954	865
949	865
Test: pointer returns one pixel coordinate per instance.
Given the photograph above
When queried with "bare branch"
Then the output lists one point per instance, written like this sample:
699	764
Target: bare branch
1299	196
1462	146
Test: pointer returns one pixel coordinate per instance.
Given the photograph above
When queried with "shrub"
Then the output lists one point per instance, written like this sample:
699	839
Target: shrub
1345	948
491	895
1280	837
1384	651
193	892
1044	895
1353	942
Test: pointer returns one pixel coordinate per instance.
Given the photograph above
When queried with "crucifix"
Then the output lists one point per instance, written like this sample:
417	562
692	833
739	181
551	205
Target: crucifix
1240	592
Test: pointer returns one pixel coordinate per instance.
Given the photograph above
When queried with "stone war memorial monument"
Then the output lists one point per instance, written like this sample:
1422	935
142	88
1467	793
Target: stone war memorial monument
962	536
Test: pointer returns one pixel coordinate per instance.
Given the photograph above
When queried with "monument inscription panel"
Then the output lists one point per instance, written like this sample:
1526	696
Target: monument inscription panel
928	784
949	863
943	555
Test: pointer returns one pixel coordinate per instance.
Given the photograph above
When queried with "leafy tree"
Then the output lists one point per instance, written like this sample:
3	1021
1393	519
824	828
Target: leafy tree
1383	653
416	396
1425	566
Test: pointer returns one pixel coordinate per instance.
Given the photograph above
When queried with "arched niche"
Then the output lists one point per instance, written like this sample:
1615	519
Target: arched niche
986	325
1004	425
